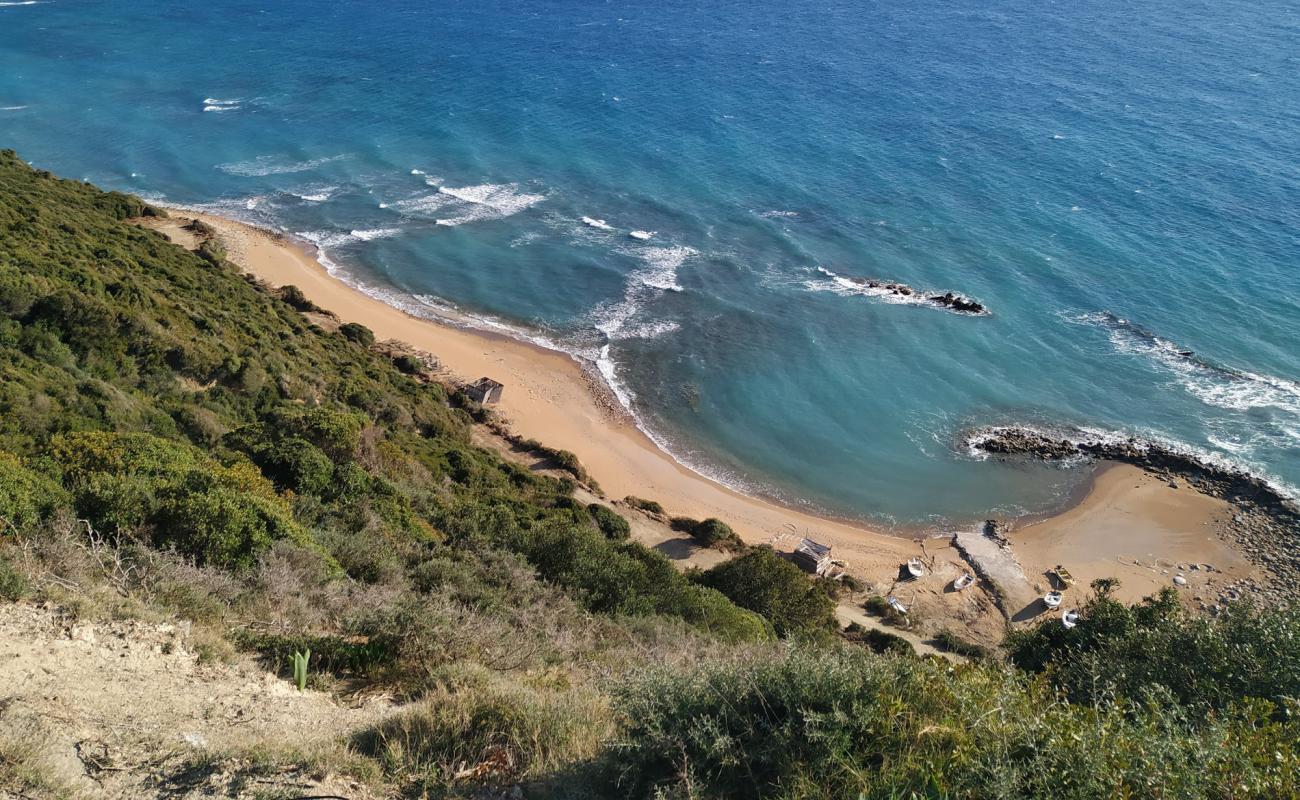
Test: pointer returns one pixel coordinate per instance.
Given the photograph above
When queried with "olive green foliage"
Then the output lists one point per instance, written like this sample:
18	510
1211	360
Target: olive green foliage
356	332
835	724
609	522
763	582
26	497
711	532
13	586
877	640
1202	662
950	642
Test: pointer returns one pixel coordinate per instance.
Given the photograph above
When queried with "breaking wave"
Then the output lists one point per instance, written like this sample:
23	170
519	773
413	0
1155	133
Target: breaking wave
1213	384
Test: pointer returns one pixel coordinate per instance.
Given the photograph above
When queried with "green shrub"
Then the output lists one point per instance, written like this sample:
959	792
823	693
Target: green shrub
356	332
609	522
950	642
876	605
13	586
26	497
651	506
878	641
408	364
294	297
763	582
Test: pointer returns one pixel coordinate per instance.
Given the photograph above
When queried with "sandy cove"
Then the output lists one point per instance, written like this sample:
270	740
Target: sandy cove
1130	525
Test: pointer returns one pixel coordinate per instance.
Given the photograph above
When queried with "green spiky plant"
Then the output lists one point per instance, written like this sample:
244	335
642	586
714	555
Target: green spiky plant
300	659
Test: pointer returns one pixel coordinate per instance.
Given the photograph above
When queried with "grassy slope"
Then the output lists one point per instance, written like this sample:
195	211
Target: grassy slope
286	487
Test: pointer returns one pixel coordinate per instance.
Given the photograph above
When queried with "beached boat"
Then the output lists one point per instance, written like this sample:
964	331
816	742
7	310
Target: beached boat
1070	618
1053	599
915	567
1062	576
963	581
896	605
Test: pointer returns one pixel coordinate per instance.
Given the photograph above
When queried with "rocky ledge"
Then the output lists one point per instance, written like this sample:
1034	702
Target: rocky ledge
1265	525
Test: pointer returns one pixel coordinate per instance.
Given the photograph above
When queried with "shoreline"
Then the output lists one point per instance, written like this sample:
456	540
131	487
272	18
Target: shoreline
551	396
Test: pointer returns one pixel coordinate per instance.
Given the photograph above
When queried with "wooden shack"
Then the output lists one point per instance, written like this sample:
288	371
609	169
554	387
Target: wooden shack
485	391
813	557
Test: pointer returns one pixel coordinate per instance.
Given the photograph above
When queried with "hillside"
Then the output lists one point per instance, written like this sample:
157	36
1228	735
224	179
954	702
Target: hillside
215	475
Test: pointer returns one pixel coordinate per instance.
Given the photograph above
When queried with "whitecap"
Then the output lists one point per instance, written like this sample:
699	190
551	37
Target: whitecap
486	201
775	214
221	108
600	224
9	3
375	233
269	165
641	235
316	194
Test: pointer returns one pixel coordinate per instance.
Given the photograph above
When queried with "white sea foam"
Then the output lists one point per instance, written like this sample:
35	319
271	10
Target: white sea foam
270	165
316	194
777	213
485	201
1215	385
215	104
9	3
641	235
375	233
599	224
12	108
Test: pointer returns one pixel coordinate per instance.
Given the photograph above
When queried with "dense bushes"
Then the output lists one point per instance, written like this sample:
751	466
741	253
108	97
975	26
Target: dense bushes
763	582
1125	651
609	522
844	724
25	496
356	332
711	532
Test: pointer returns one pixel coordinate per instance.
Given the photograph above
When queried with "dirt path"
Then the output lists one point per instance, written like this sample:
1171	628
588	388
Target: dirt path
122	709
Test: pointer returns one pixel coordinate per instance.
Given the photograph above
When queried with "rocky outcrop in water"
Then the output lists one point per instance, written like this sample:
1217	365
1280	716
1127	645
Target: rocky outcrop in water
949	300
957	303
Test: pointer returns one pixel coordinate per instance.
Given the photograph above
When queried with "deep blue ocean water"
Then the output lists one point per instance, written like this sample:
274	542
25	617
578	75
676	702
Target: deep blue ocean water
1116	182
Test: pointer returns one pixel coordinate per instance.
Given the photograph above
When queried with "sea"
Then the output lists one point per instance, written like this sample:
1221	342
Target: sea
690	196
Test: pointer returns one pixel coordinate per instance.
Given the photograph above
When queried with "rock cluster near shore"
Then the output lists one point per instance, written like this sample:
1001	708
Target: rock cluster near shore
948	300
1265	525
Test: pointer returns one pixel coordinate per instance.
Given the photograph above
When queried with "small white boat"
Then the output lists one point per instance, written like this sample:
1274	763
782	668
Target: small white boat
1053	599
641	235
915	567
1070	618
596	223
897	606
963	581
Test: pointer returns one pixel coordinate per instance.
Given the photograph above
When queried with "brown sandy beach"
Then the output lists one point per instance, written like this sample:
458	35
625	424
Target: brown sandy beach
1130	525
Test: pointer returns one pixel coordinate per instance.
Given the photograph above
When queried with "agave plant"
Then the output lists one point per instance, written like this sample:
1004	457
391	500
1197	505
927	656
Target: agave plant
300	668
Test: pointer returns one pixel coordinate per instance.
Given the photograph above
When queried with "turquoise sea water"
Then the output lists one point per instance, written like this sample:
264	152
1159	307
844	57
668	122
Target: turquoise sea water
1117	183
